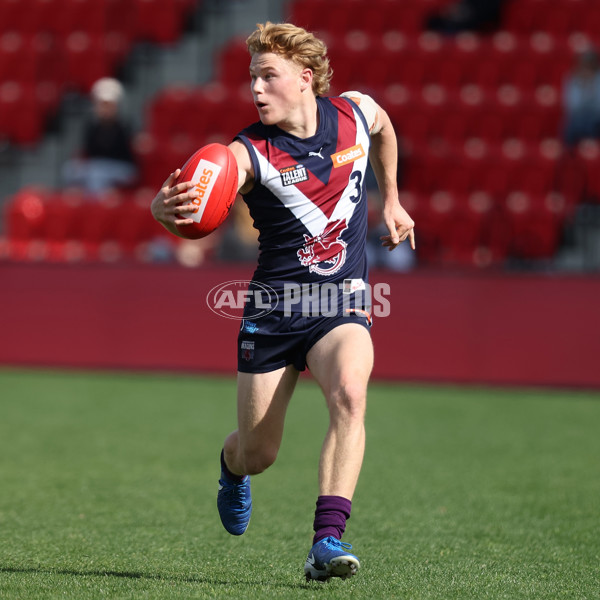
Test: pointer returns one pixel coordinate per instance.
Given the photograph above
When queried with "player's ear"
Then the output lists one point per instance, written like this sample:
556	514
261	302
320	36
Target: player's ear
306	78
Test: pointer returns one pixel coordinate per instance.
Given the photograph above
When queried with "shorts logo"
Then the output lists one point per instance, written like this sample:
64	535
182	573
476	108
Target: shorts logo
249	327
347	156
292	175
247	350
325	253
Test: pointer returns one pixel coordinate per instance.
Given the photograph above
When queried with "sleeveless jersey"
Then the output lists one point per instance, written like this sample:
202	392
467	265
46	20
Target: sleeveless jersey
309	202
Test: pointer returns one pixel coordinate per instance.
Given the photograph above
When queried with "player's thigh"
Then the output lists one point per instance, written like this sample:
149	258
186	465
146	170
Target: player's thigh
342	361
263	399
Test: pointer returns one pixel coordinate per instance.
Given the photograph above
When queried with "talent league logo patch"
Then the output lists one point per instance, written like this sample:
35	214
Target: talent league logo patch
292	175
349	155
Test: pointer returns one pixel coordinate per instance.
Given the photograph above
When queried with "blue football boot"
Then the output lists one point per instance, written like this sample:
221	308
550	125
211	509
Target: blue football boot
329	558
235	504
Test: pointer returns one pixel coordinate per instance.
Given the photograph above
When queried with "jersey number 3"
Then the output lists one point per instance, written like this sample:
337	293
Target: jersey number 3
356	177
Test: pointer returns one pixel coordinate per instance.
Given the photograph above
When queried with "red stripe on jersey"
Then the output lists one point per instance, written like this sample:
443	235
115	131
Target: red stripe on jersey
346	139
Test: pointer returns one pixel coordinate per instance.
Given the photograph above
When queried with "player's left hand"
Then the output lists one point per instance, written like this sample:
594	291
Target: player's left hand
400	226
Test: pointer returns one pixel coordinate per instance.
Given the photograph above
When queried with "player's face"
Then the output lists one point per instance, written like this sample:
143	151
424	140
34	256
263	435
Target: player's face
276	87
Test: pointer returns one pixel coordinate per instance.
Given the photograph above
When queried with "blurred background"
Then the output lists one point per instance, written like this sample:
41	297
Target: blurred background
497	109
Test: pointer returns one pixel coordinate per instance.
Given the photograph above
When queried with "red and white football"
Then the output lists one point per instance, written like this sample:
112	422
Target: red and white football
213	170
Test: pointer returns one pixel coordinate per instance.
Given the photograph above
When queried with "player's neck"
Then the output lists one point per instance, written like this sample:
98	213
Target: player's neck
304	123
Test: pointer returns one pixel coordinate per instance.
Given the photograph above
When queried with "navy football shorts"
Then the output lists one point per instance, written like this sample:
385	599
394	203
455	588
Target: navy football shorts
276	340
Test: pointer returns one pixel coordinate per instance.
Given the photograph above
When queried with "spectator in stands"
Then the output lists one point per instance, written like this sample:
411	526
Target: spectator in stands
107	160
581	99
466	15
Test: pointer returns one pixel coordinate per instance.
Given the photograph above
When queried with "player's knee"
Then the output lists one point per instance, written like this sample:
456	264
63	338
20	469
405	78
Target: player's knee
348	401
259	459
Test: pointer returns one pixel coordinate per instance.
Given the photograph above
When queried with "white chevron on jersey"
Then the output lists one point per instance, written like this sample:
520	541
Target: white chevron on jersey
311	216
308	213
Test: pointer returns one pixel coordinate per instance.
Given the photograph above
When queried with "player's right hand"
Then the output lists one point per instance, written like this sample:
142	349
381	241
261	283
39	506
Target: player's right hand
172	200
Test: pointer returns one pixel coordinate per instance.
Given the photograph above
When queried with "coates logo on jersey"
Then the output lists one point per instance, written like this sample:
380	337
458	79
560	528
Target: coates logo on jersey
325	253
349	155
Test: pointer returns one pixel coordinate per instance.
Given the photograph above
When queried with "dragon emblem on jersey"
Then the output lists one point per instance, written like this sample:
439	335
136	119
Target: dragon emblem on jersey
325	253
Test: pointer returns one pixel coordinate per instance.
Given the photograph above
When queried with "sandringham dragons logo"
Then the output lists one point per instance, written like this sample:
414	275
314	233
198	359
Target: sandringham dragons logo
325	253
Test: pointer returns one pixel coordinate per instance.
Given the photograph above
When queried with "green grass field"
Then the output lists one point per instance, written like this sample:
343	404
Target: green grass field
108	487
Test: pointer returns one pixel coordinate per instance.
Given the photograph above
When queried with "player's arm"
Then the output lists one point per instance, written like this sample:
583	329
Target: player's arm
384	160
244	164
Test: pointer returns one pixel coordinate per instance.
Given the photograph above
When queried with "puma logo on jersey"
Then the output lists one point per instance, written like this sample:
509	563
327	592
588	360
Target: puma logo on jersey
292	175
317	153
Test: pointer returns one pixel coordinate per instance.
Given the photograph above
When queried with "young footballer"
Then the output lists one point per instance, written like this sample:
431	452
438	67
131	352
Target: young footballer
301	172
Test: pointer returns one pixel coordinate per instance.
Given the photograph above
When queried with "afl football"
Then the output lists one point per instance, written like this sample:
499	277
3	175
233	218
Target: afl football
213	171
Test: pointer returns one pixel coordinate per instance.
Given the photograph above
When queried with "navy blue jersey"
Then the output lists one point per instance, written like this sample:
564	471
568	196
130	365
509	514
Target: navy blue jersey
309	201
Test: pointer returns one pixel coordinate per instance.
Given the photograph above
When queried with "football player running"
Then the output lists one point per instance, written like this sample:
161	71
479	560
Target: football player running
302	172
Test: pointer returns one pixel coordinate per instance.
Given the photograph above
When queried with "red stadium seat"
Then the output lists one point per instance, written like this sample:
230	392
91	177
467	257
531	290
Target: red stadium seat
29	58
86	60
460	58
414	125
158	21
571	178
226	120
591	20
305	13
133	223
494	179
233	63
153	159
63	218
17	58
62	17
25	213
534	232
169	111
99	224
351	61
406	16
464	243
14	15
588	153
520	16
21	119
